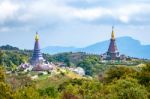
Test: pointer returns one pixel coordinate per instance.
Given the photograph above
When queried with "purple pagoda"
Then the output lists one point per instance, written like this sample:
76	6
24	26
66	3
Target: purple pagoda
37	57
37	61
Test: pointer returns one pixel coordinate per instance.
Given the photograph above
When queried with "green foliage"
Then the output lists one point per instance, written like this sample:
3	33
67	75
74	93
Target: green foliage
81	89
50	92
2	74
126	89
144	75
61	57
146	68
86	65
118	82
12	59
89	63
5	91
27	93
48	57
1	57
115	73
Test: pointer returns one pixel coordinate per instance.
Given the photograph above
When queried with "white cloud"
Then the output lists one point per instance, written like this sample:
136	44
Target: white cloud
49	10
91	13
130	12
7	10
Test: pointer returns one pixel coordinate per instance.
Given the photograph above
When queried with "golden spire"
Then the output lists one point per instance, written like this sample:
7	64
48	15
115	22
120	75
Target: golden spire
37	36
113	33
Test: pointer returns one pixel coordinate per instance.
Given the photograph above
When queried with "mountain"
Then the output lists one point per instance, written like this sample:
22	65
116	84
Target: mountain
126	45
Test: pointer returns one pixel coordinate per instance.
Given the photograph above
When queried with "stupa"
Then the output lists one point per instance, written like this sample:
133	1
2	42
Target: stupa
37	60
112	53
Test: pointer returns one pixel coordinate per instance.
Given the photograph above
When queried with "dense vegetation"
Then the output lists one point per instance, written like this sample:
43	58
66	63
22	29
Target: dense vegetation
108	81
11	57
116	83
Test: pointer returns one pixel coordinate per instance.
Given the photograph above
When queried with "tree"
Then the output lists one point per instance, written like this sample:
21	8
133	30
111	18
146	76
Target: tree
27	93
144	77
1	57
2	74
50	92
117	72
87	66
68	63
5	90
81	89
126	89
91	65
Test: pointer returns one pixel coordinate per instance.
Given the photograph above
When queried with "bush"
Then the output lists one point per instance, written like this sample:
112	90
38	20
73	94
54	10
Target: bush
27	93
144	77
115	73
50	91
127	89
5	91
2	74
81	89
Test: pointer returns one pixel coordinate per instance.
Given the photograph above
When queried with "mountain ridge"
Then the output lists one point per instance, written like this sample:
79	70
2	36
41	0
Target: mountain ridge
126	45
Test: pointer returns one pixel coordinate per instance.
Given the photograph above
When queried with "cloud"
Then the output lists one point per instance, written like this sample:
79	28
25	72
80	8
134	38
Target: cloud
66	19
91	13
8	10
28	12
38	13
131	12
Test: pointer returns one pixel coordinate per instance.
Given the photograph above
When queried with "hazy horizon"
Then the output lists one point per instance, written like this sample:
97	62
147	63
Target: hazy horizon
63	46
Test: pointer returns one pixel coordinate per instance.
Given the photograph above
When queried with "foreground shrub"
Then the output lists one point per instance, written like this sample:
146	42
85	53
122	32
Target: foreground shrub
126	89
115	73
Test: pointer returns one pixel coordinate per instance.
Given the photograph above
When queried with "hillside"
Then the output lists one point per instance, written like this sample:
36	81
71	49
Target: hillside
102	80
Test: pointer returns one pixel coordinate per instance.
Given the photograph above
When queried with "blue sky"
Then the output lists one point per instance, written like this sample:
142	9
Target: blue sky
76	23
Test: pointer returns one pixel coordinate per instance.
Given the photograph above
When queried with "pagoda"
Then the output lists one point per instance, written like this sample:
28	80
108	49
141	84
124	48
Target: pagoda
37	61
37	57
112	53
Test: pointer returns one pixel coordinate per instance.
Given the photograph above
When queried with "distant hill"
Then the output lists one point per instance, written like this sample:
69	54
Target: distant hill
8	47
126	45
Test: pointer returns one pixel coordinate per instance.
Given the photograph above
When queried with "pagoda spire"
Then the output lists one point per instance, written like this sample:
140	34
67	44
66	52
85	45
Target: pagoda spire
113	33
36	36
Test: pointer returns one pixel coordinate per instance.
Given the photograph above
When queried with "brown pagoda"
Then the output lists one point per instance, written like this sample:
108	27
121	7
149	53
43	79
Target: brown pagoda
112	53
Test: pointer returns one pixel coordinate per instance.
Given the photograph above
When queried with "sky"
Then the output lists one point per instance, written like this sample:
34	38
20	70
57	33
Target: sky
77	23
